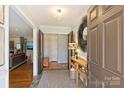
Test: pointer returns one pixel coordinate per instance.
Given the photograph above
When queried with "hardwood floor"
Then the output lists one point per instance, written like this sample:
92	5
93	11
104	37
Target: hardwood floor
22	76
56	66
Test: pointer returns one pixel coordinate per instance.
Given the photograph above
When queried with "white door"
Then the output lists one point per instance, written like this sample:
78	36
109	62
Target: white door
62	48
52	44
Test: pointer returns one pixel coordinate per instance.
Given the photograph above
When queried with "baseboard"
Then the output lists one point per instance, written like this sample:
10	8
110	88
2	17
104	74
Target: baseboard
63	62
17	65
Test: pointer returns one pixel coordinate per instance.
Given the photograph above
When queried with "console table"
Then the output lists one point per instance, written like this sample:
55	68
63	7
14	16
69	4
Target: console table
16	60
77	64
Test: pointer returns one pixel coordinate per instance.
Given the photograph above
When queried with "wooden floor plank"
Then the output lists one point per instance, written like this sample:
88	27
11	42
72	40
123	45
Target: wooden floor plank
56	66
21	77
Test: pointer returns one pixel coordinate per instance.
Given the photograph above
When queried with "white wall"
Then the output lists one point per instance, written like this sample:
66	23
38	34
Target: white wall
1	45
4	70
35	51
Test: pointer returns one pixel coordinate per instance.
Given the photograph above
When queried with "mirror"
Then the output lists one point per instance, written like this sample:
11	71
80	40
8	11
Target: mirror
1	46
85	34
82	34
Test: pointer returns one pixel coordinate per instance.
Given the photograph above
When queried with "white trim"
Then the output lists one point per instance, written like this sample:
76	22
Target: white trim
55	29
35	52
6	49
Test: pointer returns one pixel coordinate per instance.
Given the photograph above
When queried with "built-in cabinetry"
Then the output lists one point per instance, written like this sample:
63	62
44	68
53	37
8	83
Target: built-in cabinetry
106	46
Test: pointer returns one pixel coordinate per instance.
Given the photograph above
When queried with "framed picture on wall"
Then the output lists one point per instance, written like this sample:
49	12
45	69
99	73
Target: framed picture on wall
1	46
1	14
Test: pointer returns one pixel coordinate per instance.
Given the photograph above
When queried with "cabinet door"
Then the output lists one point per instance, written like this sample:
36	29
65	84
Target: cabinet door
113	51
113	43
93	45
94	41
105	43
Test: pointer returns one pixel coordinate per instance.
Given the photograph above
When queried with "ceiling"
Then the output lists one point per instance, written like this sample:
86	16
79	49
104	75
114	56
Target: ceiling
24	17
46	14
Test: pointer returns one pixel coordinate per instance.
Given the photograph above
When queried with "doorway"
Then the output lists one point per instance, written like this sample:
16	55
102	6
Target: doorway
20	51
55	51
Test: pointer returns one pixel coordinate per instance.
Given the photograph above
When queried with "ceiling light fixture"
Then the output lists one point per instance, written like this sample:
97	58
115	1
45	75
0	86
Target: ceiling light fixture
59	12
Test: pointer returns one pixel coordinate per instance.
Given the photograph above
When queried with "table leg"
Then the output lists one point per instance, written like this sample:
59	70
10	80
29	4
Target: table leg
77	74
